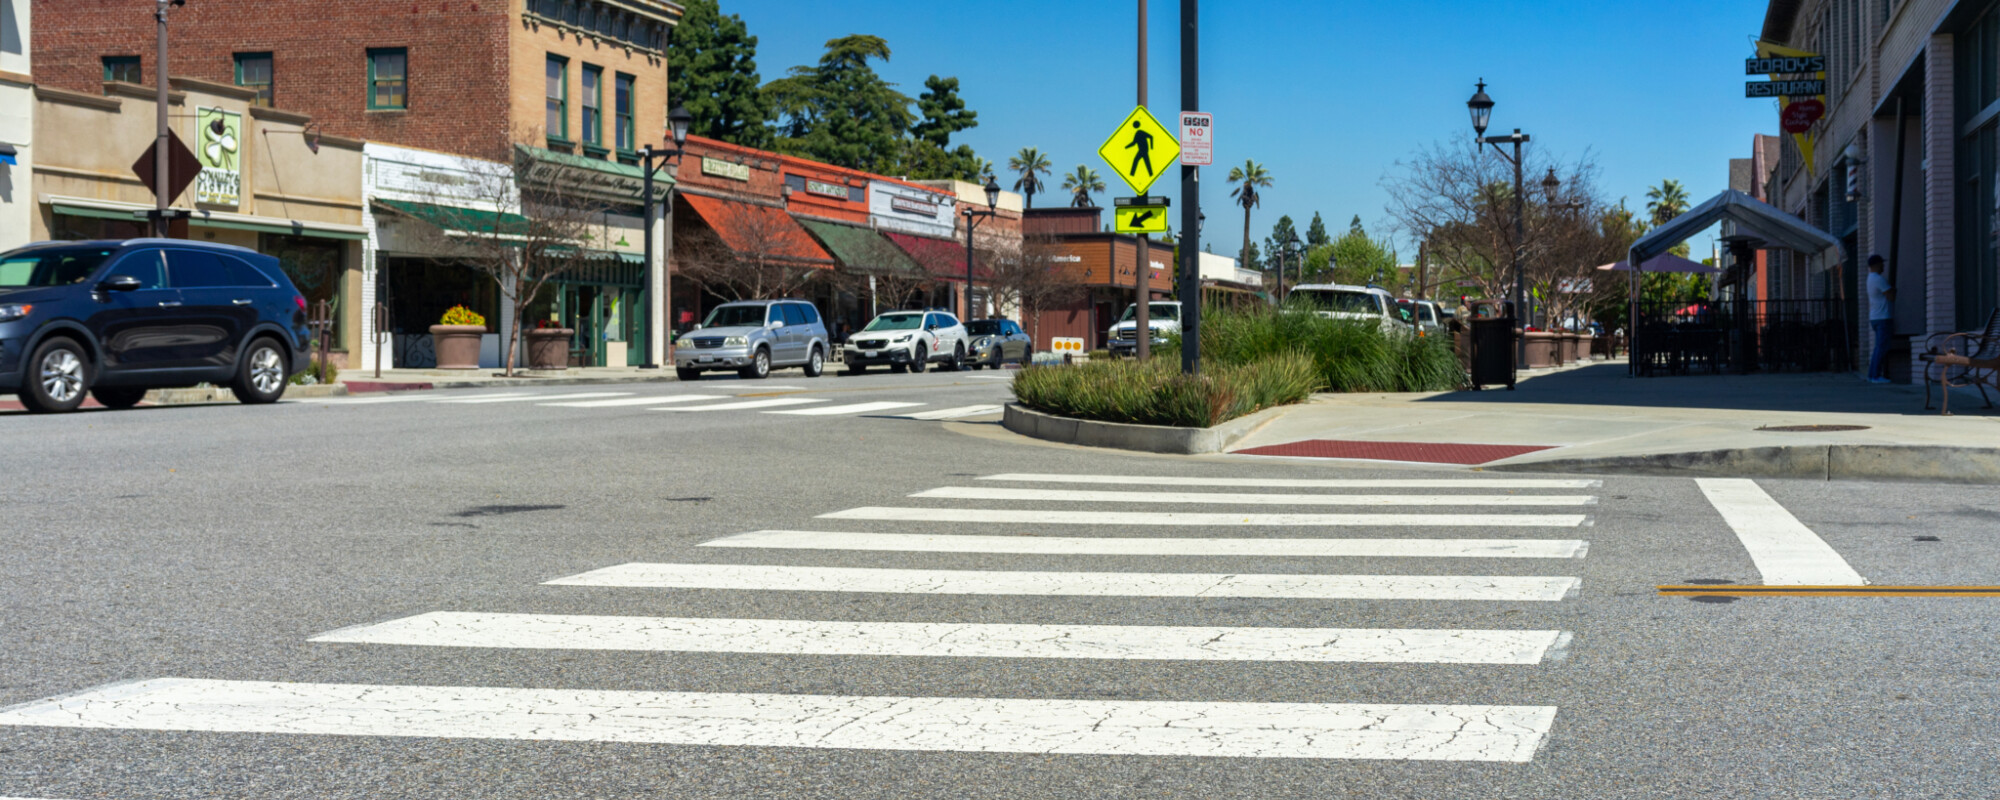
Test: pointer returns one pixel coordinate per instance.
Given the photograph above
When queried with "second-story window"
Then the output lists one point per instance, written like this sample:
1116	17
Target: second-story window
388	78
557	98
622	96
253	71
593	105
122	68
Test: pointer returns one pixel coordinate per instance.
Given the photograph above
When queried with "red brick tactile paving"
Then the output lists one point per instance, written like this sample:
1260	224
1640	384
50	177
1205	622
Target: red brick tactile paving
1425	452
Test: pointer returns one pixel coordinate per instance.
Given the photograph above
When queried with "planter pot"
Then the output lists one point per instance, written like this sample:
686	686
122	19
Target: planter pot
457	345
1543	349
548	348
1571	346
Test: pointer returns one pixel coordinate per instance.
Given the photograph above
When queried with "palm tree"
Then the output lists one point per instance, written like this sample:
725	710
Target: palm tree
1253	177
1666	201
1028	162
981	170
1082	183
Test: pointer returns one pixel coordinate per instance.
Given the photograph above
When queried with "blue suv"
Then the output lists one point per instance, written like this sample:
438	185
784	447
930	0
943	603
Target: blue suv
114	318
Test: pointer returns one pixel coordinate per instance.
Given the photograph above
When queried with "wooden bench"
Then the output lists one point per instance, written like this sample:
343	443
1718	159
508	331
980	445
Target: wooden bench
1974	355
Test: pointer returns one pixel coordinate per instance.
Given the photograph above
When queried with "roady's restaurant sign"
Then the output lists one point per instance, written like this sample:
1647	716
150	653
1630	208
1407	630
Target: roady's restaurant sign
1798	81
220	134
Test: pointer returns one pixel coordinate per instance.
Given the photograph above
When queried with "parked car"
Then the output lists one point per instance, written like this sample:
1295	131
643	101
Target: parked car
1358	303
113	319
754	337
1163	316
1424	315
907	341
998	341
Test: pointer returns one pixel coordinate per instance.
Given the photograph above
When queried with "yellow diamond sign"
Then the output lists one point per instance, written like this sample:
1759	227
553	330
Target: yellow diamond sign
1140	150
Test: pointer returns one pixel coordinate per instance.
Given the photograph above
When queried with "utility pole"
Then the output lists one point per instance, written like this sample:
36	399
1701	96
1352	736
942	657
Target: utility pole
160	157
1142	328
1190	266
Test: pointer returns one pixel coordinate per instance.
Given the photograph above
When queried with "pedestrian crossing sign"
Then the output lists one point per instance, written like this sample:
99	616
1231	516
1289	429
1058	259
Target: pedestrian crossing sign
1141	219
1140	150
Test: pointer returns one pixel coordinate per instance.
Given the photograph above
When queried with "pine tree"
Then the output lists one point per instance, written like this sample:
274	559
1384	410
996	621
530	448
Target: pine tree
840	111
713	59
944	112
1316	232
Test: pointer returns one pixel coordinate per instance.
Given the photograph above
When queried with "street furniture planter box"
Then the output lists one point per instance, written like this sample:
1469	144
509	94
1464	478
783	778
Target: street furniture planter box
548	348
1571	346
457	345
1543	349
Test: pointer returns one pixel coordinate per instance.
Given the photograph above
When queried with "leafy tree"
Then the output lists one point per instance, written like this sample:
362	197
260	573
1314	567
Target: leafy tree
921	159
1252	177
1316	232
1357	259
1083	182
944	112
842	112
1029	162
713	59
1274	244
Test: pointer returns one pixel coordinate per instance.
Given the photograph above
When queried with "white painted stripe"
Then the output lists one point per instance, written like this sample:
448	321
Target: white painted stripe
953	413
639	401
412	396
1248	499
960	640
1786	552
857	408
941	724
1304	483
992	377
1134	546
1145	518
474	398
1093	584
578	396
749	404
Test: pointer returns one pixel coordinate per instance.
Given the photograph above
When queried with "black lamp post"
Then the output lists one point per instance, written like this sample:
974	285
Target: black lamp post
972	217
1481	107
650	161
1286	250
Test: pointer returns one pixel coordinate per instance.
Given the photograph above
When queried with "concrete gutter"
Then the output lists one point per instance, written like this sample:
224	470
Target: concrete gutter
1928	463
385	384
1143	438
222	394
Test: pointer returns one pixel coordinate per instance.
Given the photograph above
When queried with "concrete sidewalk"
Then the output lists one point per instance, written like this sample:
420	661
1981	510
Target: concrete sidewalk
1596	419
395	380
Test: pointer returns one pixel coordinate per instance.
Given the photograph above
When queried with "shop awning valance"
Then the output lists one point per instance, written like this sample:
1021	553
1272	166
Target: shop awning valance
457	218
862	251
759	232
128	212
940	257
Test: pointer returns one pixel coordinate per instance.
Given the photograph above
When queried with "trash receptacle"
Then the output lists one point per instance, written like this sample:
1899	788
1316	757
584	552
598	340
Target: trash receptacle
1492	345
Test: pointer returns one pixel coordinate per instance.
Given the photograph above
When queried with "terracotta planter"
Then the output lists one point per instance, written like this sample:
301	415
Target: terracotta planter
548	348
1571	345
457	345
1543	349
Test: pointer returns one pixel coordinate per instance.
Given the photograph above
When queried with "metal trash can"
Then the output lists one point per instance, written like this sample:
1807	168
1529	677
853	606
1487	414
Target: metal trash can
1492	335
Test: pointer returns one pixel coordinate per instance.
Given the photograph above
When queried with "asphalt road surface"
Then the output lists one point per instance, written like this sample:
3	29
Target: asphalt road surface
862	588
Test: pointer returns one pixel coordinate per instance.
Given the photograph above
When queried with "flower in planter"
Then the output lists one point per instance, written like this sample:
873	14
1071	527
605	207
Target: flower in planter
460	315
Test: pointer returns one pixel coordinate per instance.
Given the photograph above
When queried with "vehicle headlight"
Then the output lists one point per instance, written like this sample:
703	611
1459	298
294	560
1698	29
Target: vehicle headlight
14	311
736	341
903	338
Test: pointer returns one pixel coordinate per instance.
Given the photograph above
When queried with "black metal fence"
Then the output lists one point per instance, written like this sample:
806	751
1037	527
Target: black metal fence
1674	338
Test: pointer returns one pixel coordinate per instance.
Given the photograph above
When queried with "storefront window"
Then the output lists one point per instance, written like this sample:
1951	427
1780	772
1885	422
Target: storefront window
318	268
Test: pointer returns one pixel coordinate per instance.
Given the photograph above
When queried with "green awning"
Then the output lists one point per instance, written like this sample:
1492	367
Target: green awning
862	250
294	229
455	218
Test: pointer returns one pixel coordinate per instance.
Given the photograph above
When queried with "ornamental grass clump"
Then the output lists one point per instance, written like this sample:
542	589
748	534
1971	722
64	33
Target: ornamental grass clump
1156	393
1349	355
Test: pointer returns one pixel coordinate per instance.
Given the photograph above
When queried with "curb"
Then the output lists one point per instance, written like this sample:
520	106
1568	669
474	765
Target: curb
1125	436
1929	463
385	385
222	394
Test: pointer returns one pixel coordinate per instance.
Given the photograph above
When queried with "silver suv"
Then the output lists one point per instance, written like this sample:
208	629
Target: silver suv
753	337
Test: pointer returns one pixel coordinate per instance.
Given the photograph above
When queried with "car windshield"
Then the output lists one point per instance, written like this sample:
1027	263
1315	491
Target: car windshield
986	327
735	317
1337	300
1166	311
50	266
896	322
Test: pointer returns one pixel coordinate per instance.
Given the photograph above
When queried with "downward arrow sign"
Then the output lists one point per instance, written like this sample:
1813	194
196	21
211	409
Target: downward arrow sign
1141	219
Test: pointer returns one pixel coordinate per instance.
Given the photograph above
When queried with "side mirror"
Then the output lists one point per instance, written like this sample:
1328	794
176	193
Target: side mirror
697	326
120	283
775	324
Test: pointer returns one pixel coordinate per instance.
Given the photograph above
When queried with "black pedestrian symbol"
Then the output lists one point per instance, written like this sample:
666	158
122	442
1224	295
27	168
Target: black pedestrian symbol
1144	142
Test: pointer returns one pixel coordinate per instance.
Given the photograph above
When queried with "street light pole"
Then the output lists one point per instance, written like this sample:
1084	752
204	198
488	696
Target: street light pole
1190	266
1481	107
650	161
160	157
972	217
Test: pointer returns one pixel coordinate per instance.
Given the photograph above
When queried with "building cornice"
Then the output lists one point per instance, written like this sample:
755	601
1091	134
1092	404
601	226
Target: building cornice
55	95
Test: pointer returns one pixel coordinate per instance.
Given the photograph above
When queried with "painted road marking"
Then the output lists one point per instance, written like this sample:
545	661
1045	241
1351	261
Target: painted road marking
1134	546
396	397
857	408
1094	584
1145	518
951	413
1833	591
941	724
1303	483
749	404
1786	552
939	639
578	396
474	398
639	401
991	377
1240	498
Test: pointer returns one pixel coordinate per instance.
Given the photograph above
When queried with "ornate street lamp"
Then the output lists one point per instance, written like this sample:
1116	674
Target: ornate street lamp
1481	107
972	218
650	161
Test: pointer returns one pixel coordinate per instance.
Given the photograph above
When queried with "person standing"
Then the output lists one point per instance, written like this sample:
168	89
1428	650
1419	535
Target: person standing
1881	302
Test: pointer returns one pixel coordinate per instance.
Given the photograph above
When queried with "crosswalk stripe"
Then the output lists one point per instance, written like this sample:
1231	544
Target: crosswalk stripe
1305	483
532	397
1785	551
749	404
952	413
477	398
639	401
939	724
992	377
1094	584
1150	546
1236	498
373	399
857	408
1145	518
960	640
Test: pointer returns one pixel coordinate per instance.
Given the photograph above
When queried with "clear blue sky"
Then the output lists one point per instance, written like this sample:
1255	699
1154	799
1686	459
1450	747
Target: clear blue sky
1327	95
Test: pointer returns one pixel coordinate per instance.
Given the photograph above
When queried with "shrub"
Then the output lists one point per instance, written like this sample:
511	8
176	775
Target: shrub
1156	393
460	315
1348	355
317	372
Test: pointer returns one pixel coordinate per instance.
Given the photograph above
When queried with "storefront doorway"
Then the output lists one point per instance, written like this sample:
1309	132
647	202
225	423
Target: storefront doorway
609	329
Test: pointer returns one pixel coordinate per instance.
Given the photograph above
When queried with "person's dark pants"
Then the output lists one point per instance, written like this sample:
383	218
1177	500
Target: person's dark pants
1881	327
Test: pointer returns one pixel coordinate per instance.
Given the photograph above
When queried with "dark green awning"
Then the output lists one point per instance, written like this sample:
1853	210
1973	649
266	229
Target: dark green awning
862	250
454	218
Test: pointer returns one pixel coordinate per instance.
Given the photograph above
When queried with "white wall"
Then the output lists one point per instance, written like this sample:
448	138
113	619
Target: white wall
17	123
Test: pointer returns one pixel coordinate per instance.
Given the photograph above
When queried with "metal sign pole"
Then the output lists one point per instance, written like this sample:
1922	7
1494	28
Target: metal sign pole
1142	329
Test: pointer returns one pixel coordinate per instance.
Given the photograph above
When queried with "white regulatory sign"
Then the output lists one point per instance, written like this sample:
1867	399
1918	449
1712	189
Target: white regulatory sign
1197	139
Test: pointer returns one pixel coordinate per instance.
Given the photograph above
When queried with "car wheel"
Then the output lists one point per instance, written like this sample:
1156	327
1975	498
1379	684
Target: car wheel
853	369
999	358
260	374
919	360
760	365
118	396
59	379
816	364
686	374
958	357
